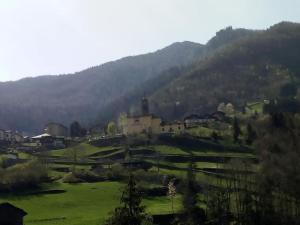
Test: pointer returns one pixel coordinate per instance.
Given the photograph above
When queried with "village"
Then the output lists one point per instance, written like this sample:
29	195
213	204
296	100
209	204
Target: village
144	136
58	136
149	112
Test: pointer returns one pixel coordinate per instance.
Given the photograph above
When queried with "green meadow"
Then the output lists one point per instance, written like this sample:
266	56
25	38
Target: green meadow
59	203
80	204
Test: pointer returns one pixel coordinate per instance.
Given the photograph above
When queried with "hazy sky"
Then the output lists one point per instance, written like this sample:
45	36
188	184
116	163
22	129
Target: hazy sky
43	37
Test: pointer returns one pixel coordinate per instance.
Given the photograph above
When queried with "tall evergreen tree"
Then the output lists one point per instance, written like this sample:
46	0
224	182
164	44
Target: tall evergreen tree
192	214
236	130
251	134
130	212
76	130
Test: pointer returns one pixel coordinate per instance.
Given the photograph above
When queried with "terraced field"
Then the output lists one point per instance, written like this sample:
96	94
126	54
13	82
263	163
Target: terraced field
90	203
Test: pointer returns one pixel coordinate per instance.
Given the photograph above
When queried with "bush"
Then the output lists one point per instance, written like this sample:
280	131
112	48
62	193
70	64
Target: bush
23	176
82	176
71	178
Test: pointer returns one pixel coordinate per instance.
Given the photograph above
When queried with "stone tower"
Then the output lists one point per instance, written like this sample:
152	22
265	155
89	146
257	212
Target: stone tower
145	106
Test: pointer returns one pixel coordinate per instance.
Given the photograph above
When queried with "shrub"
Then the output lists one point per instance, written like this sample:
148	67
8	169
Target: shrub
23	176
71	178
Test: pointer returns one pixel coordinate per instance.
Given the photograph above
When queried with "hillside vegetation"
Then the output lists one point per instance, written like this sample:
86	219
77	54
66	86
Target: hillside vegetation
30	103
237	66
254	68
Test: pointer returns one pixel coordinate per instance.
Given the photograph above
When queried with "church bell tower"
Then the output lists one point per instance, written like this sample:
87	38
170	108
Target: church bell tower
145	106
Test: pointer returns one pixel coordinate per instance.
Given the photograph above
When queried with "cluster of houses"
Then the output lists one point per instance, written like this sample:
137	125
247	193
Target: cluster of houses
10	136
195	120
55	136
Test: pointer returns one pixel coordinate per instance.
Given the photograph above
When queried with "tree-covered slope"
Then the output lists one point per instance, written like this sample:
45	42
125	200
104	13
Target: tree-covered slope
237	66
255	67
130	101
28	104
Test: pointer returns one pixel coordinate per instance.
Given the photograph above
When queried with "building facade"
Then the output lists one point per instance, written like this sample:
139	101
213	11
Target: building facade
148	123
174	127
141	124
56	130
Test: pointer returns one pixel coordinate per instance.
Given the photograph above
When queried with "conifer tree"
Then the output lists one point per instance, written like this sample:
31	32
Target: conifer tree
192	214
131	212
251	134
236	130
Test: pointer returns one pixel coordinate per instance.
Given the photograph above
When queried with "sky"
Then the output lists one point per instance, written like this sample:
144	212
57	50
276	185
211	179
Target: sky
48	37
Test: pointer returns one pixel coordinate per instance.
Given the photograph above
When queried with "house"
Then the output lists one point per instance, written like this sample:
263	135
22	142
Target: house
218	115
172	127
196	120
11	215
192	120
56	130
18	138
8	135
142	124
148	123
49	141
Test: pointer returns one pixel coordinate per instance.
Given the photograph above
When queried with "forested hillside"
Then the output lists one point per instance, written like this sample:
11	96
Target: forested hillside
129	103
237	66
257	67
28	104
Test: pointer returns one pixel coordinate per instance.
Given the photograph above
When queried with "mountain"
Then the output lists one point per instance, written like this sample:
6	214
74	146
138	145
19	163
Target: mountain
261	65
130	101
28	104
236	65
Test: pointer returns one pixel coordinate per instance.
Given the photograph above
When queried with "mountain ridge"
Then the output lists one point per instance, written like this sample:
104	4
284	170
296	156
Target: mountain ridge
60	98
195	75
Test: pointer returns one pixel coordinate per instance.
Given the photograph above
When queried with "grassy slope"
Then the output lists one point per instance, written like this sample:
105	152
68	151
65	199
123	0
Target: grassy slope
91	203
81	204
84	150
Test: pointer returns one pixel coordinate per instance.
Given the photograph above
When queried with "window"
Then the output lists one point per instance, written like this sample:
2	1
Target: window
179	128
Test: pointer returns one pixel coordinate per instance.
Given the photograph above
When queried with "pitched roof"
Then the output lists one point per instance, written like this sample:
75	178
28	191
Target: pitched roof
9	210
41	136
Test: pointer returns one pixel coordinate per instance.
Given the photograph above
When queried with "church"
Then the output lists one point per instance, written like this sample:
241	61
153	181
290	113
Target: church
149	123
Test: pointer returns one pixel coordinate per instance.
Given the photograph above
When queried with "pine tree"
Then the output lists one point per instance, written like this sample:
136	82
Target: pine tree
251	134
131	212
214	136
236	130
192	214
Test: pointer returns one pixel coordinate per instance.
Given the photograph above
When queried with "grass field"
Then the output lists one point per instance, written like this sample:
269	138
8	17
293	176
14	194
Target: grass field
169	150
81	204
91	203
84	149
